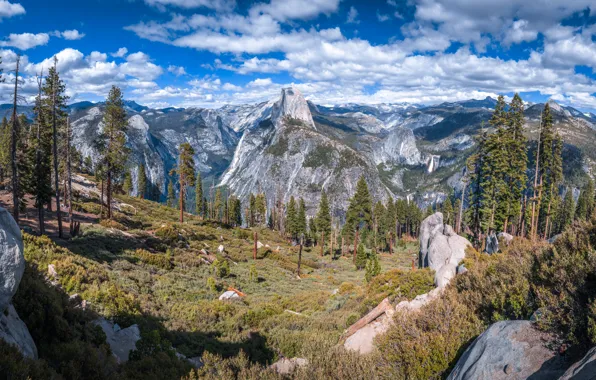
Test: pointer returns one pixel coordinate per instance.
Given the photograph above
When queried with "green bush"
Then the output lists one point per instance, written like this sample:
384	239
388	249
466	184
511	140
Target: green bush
221	268
160	261
373	267
167	233
361	257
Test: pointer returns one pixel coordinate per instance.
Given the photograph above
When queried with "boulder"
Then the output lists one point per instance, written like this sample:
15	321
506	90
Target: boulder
229	294
362	340
507	238
444	275
12	260
439	252
584	369
509	350
14	331
121	341
285	366
429	227
260	245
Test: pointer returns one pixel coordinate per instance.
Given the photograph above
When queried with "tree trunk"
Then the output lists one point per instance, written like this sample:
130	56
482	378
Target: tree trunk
300	255
181	202
322	243
109	193
550	200
383	307
69	175
461	211
355	244
343	245
55	149
254	252
332	241
13	150
101	201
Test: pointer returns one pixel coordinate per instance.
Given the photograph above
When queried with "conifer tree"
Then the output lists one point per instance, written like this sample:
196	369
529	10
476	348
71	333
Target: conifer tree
585	202
141	182
301	218
378	223
361	257
252	208
568	211
127	185
391	223
186	174
199	196
88	165
218	205
448	213
359	215
4	149
312	229
260	208
292	218
373	267
323	220
476	164
171	200
113	140
516	147
14	144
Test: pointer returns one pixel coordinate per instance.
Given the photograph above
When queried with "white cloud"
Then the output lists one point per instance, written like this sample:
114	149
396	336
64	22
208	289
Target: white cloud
260	82
382	17
72	35
218	5
283	10
177	70
518	32
352	16
25	41
8	9
121	53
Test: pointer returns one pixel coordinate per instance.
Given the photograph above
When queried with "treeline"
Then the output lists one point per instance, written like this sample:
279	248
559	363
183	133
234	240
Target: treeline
505	193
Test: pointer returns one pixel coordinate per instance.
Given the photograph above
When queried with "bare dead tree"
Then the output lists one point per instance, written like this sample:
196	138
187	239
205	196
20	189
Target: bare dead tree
55	149
13	143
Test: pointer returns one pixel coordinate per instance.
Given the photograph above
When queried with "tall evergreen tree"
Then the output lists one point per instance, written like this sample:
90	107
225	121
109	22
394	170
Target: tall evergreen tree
14	144
323	220
391	223
113	140
565	212
127	185
186	174
359	215
171	199
448	213
141	182
292	218
476	164
585	202
301	218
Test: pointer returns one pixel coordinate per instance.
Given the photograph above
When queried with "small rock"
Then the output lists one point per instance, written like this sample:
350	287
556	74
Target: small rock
230	294
286	366
461	269
121	341
334	292
221	249
259	245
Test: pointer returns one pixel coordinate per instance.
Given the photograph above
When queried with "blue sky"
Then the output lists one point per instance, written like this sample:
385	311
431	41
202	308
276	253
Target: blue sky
211	52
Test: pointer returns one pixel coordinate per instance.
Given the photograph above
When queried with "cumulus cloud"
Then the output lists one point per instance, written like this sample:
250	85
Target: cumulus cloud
218	5
72	35
260	82
177	70
8	9
25	41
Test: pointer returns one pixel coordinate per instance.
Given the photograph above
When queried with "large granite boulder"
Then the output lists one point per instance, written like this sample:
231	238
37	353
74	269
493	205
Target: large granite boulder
14	331
12	265
431	225
121	341
12	260
441	249
509	350
584	369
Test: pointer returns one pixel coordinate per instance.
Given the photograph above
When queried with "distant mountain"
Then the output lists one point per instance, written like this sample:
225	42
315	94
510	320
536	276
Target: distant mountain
289	146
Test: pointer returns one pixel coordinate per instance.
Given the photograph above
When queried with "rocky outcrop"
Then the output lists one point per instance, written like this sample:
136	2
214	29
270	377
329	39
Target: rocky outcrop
505	237
441	249
293	105
12	266
509	350
12	260
121	341
584	369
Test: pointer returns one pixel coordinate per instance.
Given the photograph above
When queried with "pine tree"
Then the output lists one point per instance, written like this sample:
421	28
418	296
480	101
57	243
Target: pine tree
4	149
260	208
361	257
252	208
373	267
567	213
391	223
292	218
585	202
378	223
476	164
448	213
171	200
516	146
112	141
186	174
359	215
141	182
323	220
127	186
199	196
218	205
301	218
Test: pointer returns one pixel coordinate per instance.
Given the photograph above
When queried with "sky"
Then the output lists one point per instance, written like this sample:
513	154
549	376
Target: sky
207	53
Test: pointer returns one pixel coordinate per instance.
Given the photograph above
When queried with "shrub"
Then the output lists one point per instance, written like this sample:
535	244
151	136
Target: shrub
110	223
361	257
211	285
253	276
160	261
221	268
167	233
398	285
373	267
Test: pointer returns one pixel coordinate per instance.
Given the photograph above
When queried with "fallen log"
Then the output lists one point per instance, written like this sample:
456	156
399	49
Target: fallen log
381	308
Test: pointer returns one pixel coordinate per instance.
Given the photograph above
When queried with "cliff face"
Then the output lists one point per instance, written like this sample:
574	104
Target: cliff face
288	146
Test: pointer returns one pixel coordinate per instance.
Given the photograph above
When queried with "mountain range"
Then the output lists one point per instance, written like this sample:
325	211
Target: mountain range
292	147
